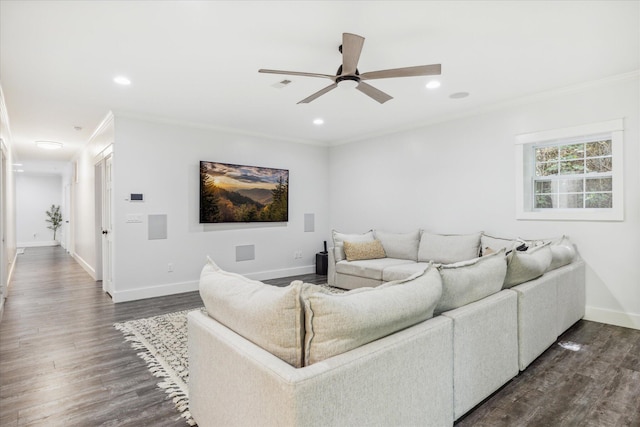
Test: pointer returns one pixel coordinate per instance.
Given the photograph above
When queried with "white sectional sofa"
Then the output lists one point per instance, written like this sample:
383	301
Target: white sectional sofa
449	330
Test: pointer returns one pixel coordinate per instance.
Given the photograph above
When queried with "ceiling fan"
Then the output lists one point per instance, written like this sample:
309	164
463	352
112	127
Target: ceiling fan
348	74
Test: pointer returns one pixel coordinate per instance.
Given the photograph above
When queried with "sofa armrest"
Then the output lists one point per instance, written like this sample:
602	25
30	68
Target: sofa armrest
331	267
404	378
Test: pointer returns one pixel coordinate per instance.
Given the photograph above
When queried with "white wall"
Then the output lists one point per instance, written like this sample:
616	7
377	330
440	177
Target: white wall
161	161
35	193
459	177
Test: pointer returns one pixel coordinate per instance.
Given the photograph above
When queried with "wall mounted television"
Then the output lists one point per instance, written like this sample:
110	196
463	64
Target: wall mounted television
237	193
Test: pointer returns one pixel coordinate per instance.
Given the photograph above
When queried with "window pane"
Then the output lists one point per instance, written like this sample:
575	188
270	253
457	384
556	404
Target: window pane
599	165
545	187
599	184
599	148
544	202
570	186
570	201
546	154
546	169
599	200
574	151
572	167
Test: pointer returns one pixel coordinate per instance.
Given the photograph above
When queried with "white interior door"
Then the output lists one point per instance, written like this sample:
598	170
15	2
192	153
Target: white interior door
107	225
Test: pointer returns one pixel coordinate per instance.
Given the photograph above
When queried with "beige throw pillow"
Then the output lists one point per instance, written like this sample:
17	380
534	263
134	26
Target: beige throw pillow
269	316
339	239
355	251
337	323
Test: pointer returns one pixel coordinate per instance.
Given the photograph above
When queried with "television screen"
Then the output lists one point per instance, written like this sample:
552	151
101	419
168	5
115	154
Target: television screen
236	193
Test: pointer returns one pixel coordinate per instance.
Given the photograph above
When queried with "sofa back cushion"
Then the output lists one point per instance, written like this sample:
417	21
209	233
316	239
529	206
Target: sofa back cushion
469	281
497	243
562	253
400	245
448	249
269	316
523	266
337	323
340	238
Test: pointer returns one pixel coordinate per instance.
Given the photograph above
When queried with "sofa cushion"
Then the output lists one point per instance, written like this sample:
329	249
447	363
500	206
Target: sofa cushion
399	245
269	316
469	281
402	271
337	323
355	251
497	243
370	268
562	250
339	238
448	249
562	253
523	266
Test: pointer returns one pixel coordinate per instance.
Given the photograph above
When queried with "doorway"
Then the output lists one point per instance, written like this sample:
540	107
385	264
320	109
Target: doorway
104	223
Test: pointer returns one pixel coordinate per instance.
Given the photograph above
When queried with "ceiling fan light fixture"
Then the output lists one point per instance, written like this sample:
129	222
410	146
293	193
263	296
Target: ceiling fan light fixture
122	80
49	145
348	84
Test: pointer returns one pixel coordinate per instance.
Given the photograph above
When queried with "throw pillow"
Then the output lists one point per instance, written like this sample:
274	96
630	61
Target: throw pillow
447	249
469	281
400	245
497	243
337	323
269	316
355	251
339	238
527	265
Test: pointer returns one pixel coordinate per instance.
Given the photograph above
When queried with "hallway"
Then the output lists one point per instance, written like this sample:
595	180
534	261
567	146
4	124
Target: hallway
62	363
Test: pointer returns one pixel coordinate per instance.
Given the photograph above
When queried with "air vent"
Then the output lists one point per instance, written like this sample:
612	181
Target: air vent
281	84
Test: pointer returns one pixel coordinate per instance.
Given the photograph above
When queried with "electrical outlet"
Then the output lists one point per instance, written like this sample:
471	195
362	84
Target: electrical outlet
170	267
297	254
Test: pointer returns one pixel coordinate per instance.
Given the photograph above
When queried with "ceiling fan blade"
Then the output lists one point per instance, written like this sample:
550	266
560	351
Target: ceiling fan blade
420	70
297	73
374	93
351	48
318	94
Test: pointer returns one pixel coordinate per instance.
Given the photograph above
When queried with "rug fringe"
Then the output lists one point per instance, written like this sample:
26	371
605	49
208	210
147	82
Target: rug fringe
179	396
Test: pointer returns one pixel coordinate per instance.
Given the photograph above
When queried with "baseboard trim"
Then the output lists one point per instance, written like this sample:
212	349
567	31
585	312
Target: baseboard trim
612	317
37	244
154	291
85	265
182	287
284	272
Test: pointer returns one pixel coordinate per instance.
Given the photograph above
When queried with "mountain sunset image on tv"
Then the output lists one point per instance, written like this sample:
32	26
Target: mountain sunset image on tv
237	193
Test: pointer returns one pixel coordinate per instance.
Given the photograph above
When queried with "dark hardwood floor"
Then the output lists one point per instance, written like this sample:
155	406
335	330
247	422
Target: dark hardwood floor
62	363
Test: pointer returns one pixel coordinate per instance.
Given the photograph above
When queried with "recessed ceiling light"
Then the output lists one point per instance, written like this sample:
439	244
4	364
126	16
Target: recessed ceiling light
433	84
459	95
122	80
318	122
49	145
77	128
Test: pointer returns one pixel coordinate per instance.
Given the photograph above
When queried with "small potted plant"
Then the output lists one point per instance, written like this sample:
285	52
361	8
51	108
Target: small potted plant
54	217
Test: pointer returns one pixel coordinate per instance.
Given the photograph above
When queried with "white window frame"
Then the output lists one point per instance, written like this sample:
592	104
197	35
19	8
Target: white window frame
525	144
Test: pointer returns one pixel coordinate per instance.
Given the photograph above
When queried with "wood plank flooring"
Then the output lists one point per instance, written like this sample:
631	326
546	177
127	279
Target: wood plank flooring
63	364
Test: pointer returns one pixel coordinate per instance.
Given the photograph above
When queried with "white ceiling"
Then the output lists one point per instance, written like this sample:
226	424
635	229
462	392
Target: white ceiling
198	62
